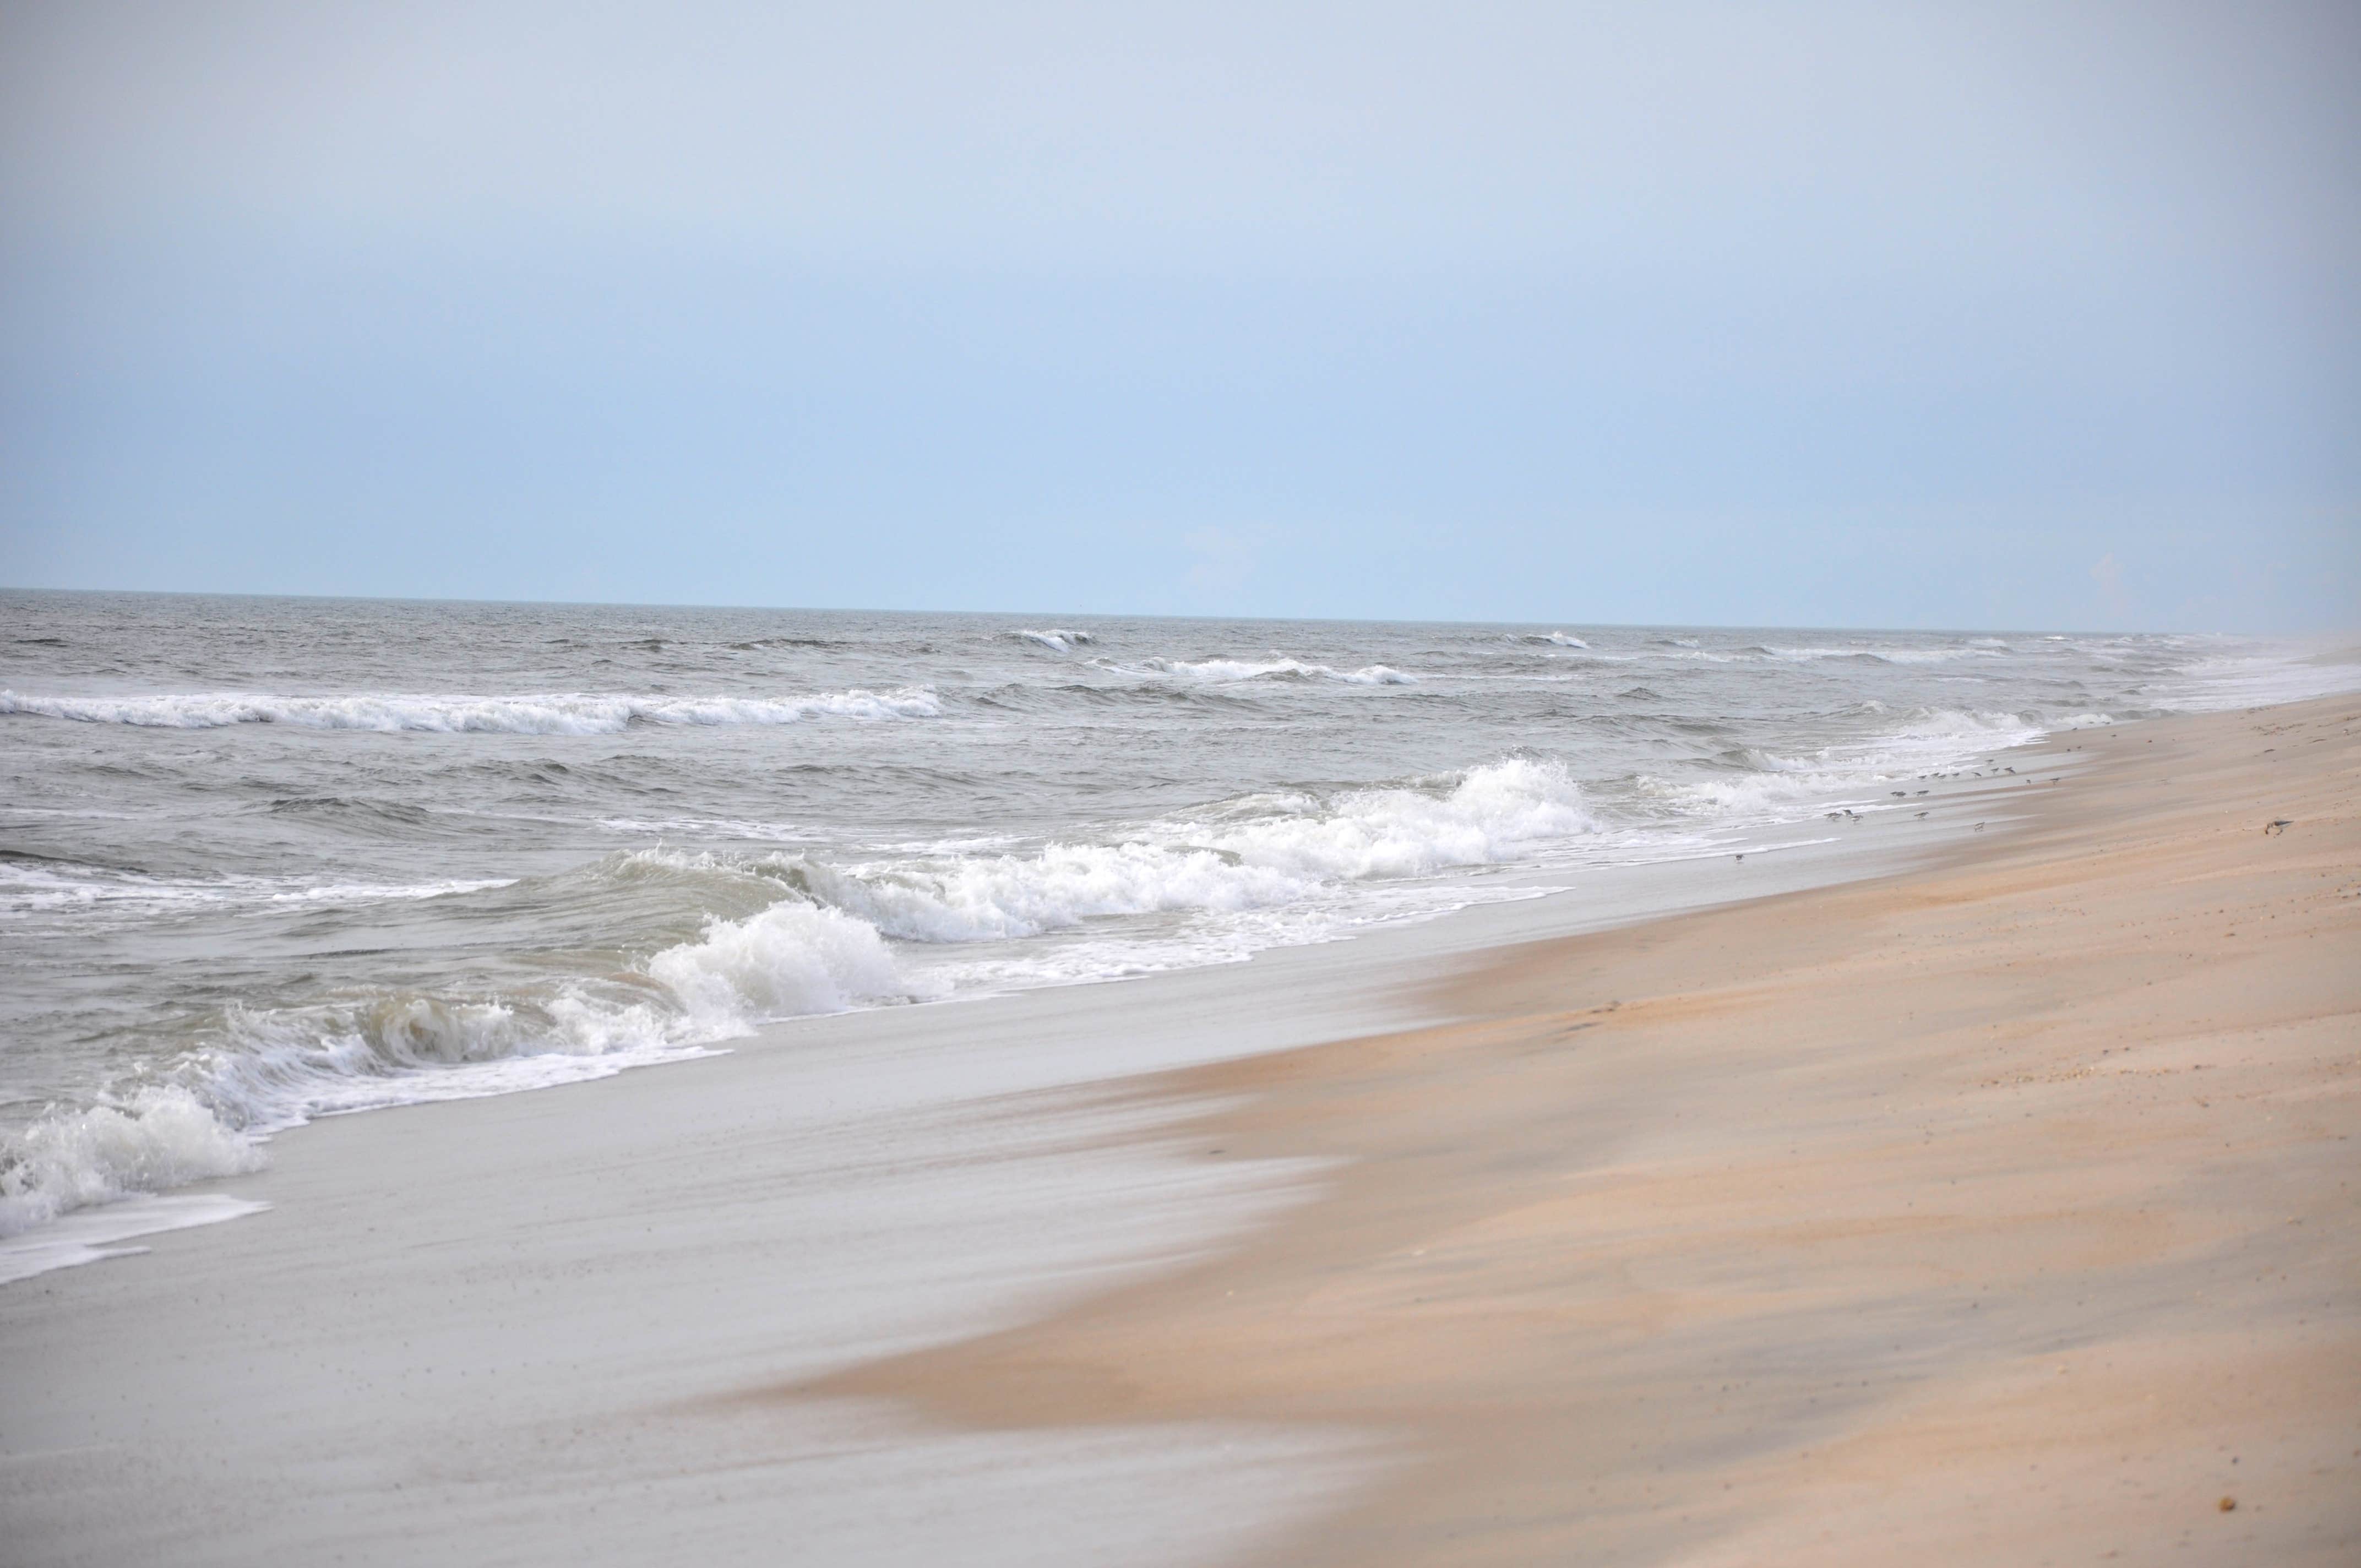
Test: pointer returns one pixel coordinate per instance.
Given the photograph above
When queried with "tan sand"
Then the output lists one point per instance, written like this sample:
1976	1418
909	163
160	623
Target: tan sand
2002	1212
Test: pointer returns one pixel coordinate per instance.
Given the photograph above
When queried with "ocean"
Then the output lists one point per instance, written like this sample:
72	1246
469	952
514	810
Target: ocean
263	860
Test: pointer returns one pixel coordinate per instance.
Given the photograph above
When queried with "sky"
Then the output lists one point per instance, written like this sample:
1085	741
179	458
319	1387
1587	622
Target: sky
1976	315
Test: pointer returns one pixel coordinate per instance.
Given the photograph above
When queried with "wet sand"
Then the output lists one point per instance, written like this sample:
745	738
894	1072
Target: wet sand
2008	1210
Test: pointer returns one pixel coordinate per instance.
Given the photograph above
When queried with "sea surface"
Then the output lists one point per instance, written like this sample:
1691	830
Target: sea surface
267	859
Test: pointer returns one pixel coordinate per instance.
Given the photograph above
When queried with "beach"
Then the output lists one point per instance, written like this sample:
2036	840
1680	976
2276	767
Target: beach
1996	1206
1275	788
2001	1213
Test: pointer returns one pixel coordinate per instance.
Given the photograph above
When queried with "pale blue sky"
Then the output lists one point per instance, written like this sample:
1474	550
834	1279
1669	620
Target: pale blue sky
1878	315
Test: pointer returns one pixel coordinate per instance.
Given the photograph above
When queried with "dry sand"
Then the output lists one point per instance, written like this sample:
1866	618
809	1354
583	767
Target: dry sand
1999	1212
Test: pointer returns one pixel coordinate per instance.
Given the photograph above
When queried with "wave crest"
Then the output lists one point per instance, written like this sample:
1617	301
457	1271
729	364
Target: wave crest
1227	670
1058	639
553	713
798	938
154	1138
273	1068
1270	851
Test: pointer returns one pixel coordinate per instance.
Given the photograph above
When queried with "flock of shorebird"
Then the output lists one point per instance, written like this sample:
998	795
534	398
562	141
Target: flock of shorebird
1847	813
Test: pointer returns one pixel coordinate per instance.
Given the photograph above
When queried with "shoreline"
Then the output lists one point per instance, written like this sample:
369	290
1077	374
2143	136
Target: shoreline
1502	903
602	1290
1881	1218
472	1321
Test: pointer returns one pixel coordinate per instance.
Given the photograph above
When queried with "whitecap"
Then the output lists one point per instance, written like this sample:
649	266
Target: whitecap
551	713
1262	852
209	1114
1058	639
1229	670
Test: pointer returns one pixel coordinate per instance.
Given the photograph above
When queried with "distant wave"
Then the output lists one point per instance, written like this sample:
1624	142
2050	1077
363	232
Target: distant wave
553	713
1888	655
703	902
29	887
1227	670
1055	639
1689	648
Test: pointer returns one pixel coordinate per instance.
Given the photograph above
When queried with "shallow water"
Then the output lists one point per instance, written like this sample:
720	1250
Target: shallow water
262	860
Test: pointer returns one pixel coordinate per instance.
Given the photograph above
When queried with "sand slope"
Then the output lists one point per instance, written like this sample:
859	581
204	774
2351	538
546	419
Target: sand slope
2004	1212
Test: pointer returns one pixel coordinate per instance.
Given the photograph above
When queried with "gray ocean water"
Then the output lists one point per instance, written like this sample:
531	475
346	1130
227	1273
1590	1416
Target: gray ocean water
263	860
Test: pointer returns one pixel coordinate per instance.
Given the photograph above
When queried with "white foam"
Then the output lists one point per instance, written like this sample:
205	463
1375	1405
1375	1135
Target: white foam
1265	853
1057	638
550	713
155	1137
1777	784
1687	648
27	888
1229	670
282	1065
95	1236
39	888
207	1115
790	959
1936	655
2242	679
372	892
722	826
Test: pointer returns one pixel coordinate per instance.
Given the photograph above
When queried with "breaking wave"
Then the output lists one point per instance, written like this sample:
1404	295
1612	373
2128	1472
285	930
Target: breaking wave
1227	670
207	1113
456	916
1057	638
34	887
1261	852
1764	784
820	945
553	713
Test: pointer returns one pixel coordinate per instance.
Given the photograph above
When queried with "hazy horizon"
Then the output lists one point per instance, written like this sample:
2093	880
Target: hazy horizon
1852	316
1048	616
